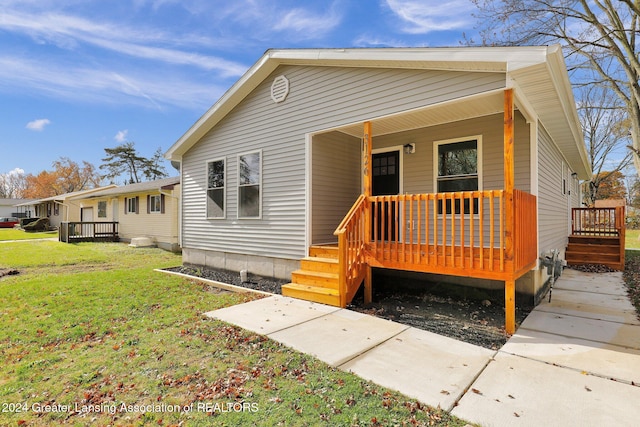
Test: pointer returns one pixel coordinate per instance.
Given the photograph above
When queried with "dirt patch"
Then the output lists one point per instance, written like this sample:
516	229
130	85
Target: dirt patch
443	311
8	272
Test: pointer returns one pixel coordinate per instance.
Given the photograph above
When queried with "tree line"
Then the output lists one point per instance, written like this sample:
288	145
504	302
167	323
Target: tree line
121	165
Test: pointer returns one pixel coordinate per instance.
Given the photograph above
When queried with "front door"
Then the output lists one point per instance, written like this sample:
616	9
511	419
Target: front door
385	181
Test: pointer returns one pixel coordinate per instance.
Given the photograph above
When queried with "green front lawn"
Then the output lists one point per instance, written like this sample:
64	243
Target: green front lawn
90	335
15	234
632	239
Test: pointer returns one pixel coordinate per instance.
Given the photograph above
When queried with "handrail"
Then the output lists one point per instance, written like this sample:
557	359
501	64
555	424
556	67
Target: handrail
351	235
348	217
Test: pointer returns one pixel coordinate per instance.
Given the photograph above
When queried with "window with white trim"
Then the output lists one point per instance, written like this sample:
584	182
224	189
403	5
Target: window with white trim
249	185
216	189
131	205
155	203
457	169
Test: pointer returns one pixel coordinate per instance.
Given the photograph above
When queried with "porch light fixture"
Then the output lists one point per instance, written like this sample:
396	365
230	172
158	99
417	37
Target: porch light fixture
409	148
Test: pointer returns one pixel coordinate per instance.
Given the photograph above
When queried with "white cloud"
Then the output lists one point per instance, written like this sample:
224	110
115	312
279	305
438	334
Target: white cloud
68	32
424	16
79	83
38	125
121	136
309	24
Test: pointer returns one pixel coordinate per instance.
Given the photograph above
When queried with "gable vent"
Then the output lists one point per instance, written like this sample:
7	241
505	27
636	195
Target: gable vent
279	89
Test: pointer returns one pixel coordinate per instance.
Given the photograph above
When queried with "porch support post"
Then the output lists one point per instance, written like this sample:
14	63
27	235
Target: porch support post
510	306
367	160
368	184
509	178
509	174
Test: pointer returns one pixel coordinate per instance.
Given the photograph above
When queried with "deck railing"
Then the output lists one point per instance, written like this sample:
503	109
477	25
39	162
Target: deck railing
597	221
352	250
70	232
462	233
525	244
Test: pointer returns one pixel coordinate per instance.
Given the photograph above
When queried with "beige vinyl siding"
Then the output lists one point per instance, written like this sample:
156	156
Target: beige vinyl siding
161	227
336	182
553	211
320	98
419	167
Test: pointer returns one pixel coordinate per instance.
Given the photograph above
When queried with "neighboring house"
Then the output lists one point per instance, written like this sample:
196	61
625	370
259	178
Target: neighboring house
63	207
148	209
15	208
467	159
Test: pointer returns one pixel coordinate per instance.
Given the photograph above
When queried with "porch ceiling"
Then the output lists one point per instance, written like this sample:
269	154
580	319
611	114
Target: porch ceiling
446	112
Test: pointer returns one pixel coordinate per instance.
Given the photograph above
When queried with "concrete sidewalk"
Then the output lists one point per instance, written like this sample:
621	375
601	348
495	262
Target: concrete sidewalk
573	361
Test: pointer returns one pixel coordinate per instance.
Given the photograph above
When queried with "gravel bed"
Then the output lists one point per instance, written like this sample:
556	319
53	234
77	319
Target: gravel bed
256	282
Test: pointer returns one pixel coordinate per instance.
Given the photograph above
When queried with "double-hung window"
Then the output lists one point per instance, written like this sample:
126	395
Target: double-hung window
249	185
216	189
102	209
457	171
155	203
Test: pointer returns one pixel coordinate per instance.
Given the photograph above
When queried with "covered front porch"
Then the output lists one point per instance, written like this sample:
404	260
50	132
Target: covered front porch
476	232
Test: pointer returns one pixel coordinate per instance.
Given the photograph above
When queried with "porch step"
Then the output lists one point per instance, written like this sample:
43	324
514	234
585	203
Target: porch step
594	250
312	293
324	265
317	279
328	251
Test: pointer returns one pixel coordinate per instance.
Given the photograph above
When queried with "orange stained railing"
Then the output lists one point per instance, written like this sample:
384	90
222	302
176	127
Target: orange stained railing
525	244
449	233
461	233
351	235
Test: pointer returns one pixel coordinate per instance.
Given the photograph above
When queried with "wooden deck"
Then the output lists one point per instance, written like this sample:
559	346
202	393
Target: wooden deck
74	232
597	237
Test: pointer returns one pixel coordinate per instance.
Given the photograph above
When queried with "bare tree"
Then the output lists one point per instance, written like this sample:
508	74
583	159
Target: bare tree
600	38
606	134
12	184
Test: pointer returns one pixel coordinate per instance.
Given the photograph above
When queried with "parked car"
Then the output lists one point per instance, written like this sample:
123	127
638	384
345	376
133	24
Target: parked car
8	222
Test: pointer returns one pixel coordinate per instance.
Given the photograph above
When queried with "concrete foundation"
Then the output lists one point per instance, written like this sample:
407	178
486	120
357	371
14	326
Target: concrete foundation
257	265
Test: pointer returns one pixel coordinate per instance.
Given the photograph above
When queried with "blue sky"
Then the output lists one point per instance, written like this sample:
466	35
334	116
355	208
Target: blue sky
77	76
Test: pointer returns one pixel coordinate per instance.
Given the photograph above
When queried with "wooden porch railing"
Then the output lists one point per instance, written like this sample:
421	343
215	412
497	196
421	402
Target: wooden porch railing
525	242
70	232
351	248
463	234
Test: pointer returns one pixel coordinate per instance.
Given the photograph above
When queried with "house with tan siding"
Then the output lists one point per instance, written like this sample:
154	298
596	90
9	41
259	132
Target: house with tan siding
319	165
60	208
143	210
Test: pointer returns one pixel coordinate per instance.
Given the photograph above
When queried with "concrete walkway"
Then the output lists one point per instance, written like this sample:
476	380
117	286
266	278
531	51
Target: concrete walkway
574	361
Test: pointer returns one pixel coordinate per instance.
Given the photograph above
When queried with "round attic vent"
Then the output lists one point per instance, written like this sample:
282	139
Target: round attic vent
279	89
